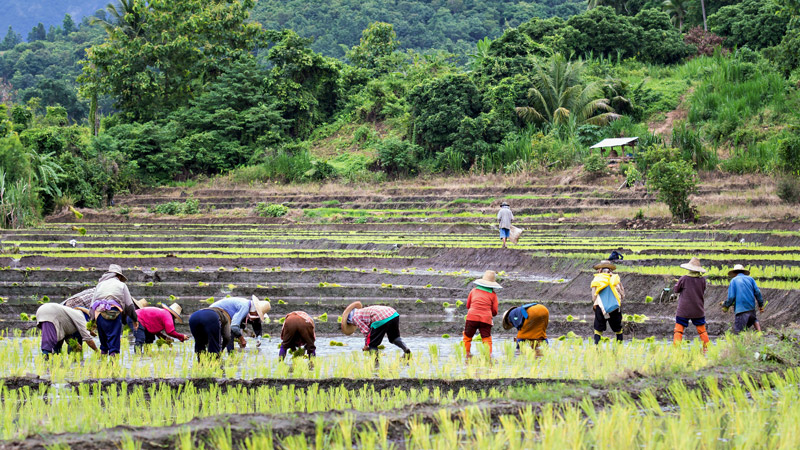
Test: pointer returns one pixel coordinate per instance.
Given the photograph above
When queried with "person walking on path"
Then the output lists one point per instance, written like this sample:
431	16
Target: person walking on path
157	322
743	293
531	322
211	329
59	323
504	217
482	305
691	289
607	295
240	311
111	302
375	322
298	331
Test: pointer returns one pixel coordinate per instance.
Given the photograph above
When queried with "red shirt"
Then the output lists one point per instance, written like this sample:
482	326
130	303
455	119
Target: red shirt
156	320
481	306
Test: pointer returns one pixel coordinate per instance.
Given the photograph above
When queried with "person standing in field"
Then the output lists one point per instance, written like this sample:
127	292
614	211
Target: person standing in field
482	305
375	322
157	322
607	295
743	293
297	331
691	289
504	217
531	322
112	301
60	323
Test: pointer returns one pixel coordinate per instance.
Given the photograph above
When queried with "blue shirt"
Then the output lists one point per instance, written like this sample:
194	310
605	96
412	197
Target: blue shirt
237	308
743	292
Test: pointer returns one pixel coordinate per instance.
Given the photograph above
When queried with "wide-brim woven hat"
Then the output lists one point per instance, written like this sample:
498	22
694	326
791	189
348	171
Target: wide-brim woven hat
113	268
349	328
141	303
506	323
605	264
504	204
262	307
694	266
489	280
738	268
176	311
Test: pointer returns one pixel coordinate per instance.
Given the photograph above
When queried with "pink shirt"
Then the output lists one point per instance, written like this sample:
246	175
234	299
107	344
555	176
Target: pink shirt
156	320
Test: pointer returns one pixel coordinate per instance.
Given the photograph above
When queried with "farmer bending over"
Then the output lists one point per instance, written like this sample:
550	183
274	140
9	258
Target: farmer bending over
297	332
482	305
111	302
82	299
375	322
691	302
607	294
211	328
505	216
531	322
157	322
59	323
242	310
743	294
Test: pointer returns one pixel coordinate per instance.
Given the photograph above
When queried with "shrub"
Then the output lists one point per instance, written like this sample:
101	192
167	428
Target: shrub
789	189
705	41
632	176
674	181
273	210
191	206
320	170
789	154
595	165
398	157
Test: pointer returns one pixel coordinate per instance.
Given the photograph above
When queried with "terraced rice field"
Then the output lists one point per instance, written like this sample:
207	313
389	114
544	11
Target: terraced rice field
415	248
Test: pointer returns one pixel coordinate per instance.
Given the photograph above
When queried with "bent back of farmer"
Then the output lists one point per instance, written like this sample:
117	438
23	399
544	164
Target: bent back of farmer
111	302
297	332
59	323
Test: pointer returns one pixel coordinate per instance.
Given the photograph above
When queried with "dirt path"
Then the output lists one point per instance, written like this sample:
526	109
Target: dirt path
664	128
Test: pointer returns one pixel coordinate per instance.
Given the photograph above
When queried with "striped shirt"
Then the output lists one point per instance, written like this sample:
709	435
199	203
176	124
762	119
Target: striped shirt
364	317
81	299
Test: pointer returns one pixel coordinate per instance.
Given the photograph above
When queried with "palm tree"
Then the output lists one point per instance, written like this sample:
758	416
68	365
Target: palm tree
125	17
677	11
558	96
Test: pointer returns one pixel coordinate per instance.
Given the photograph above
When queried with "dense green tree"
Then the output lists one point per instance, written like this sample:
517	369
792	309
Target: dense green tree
11	40
658	41
68	25
305	84
376	49
38	33
754	23
439	105
558	95
167	51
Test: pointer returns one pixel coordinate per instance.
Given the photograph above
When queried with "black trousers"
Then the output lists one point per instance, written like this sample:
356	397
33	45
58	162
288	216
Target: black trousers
390	329
614	320
206	330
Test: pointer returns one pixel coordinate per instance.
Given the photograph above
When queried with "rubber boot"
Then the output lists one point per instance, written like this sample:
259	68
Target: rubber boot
701	330
399	342
488	341
619	337
677	335
467	345
597	337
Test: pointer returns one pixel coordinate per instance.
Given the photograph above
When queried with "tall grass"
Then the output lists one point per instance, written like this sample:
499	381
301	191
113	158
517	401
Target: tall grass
19	204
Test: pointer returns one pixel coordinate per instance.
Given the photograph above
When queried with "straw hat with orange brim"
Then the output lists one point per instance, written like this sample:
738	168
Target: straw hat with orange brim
489	280
349	328
262	307
604	264
737	269
176	310
694	266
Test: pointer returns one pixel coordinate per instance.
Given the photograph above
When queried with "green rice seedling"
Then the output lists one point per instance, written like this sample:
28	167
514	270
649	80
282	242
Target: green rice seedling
172	298
281	320
428	285
385	286
459	303
446	304
221	438
648	299
231	286
149	283
281	302
336	344
570	318
44	299
209	300
323	318
221	269
446	336
24	317
338	319
266	336
128	443
202	284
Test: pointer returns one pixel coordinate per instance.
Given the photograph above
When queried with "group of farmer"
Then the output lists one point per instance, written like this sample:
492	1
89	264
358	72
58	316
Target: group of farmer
109	305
